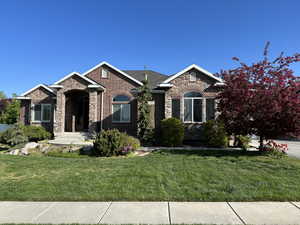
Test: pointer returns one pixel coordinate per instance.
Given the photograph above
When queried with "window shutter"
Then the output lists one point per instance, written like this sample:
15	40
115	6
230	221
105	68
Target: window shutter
210	109
176	108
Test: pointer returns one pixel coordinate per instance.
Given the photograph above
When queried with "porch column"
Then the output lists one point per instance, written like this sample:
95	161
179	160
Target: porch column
168	106
204	110
93	107
59	123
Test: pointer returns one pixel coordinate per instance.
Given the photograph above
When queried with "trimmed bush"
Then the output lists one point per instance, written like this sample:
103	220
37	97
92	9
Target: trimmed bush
13	136
113	143
127	140
172	132
36	133
243	142
214	134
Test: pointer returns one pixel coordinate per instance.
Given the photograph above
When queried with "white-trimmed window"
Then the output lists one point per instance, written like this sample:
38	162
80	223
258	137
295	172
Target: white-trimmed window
41	113
197	109
193	76
193	107
121	109
104	73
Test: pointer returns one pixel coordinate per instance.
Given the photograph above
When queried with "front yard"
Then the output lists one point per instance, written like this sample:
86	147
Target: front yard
161	176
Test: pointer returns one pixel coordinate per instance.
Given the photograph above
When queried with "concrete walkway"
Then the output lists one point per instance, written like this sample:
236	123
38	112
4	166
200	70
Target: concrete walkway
151	212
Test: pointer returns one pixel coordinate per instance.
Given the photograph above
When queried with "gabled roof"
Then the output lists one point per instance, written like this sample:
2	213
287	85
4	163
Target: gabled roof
193	66
154	78
75	74
92	83
114	68
39	86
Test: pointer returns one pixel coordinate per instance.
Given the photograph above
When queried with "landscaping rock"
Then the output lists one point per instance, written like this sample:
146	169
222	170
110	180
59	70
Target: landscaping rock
14	152
27	147
30	145
44	148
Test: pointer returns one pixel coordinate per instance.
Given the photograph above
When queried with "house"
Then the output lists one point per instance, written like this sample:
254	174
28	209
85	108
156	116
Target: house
104	97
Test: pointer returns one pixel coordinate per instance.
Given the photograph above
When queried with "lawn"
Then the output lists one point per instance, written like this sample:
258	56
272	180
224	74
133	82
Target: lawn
161	176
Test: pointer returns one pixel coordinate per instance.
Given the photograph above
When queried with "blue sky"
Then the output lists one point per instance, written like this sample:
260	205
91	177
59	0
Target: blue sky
42	41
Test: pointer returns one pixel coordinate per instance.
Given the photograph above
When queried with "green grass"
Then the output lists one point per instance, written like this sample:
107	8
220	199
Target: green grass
166	176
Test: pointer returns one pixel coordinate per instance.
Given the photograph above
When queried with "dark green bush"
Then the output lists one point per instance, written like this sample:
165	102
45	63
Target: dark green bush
243	142
114	143
36	133
13	136
172	132
214	134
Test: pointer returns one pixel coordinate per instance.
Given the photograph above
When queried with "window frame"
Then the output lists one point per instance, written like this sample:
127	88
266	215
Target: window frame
193	76
203	108
104	71
121	103
42	112
193	98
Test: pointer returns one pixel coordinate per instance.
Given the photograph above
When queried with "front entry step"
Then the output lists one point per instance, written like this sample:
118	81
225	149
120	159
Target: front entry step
67	138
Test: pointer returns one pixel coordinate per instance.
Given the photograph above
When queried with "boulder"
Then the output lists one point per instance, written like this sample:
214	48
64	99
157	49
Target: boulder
30	145
14	152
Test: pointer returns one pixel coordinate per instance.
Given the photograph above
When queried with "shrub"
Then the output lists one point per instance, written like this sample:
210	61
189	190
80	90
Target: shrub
172	132
127	140
13	136
114	143
243	142
214	134
36	133
108	143
274	149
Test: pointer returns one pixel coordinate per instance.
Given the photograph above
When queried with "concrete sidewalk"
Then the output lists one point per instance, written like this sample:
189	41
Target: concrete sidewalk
151	212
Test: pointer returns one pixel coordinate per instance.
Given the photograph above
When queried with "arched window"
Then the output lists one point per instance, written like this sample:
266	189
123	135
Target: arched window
193	94
121	109
193	107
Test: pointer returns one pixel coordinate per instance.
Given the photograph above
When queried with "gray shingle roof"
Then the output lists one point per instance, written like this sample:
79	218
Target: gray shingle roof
154	78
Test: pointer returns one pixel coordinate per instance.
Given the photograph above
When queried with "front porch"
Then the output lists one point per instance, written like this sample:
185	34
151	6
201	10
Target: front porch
78	105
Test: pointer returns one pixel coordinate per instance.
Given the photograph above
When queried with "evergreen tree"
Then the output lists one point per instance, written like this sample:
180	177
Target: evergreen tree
145	132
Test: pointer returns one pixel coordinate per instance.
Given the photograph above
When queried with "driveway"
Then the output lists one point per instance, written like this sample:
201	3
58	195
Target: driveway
294	147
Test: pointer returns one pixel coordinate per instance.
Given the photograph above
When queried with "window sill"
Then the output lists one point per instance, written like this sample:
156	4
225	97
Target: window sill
39	122
190	122
118	122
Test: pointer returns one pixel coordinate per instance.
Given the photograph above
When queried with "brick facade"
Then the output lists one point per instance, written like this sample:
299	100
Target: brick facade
182	85
115	84
100	99
38	96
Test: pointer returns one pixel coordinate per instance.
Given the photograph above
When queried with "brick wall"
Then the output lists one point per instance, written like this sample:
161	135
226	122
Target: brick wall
115	84
182	85
38	96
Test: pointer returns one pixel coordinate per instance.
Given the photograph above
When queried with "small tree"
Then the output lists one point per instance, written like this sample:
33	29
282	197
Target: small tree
261	98
145	132
11	113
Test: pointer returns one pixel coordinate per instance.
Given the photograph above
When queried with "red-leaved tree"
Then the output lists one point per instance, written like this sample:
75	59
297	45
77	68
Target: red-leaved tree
262	98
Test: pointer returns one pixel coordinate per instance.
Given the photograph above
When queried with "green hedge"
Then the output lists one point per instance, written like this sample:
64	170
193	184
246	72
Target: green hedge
36	133
172	132
214	134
